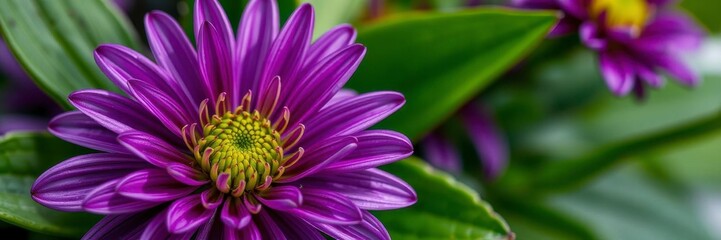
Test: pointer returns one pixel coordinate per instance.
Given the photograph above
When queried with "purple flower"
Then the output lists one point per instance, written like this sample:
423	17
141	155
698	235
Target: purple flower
245	139
635	39
487	139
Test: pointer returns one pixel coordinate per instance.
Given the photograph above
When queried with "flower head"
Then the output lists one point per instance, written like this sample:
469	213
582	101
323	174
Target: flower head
634	39
250	137
487	139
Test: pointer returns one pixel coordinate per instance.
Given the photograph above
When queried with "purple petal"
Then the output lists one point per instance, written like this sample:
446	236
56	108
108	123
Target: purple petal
123	226
187	175
487	139
370	189
590	36
153	184
187	214
256	32
268	226
77	128
671	31
340	96
323	81
234	214
64	186
441	153
162	106
215	60
618	78
211	198
114	112
676	68
104	200
564	26
286	54
324	206
320	155
576	8
157	227
122	64
352	115
13	123
174	53
211	11
370	228
250	232
289	227
375	148
329	43
152	149
536	4
281	198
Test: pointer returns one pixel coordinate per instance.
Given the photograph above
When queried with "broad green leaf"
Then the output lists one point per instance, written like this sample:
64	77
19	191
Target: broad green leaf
446	209
24	156
331	13
439	61
54	41
705	11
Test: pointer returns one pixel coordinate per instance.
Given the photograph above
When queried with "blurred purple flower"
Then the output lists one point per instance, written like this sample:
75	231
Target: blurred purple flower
634	39
210	145
487	139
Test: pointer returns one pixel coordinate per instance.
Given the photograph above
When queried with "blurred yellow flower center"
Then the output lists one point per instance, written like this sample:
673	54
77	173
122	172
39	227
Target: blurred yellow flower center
622	13
244	146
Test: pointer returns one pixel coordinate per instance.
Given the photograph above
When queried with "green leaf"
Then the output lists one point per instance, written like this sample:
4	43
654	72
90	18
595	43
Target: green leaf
446	209
23	156
54	41
640	209
331	13
440	61
706	12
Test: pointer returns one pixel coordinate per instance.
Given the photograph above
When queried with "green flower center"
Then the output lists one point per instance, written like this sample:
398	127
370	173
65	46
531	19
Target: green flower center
242	146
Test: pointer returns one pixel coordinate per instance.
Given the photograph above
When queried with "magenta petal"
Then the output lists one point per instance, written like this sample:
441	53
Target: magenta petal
370	228
590	36
290	226
162	106
187	175
332	41
121	64
123	226
325	78
286	54
370	189
212	12
677	69
375	148
325	206
77	128
249	232
152	149
320	155
441	153
173	51
211	198
268	226
618	78
114	112
157	227
65	186
234	214
153	185
187	214
104	200
215	61
282	198
340	96
256	32
487	139
352	115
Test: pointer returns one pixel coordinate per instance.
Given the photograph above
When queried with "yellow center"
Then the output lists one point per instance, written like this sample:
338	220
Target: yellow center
622	13
244	146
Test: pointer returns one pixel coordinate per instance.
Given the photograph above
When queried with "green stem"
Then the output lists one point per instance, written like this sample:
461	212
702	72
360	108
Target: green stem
564	175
